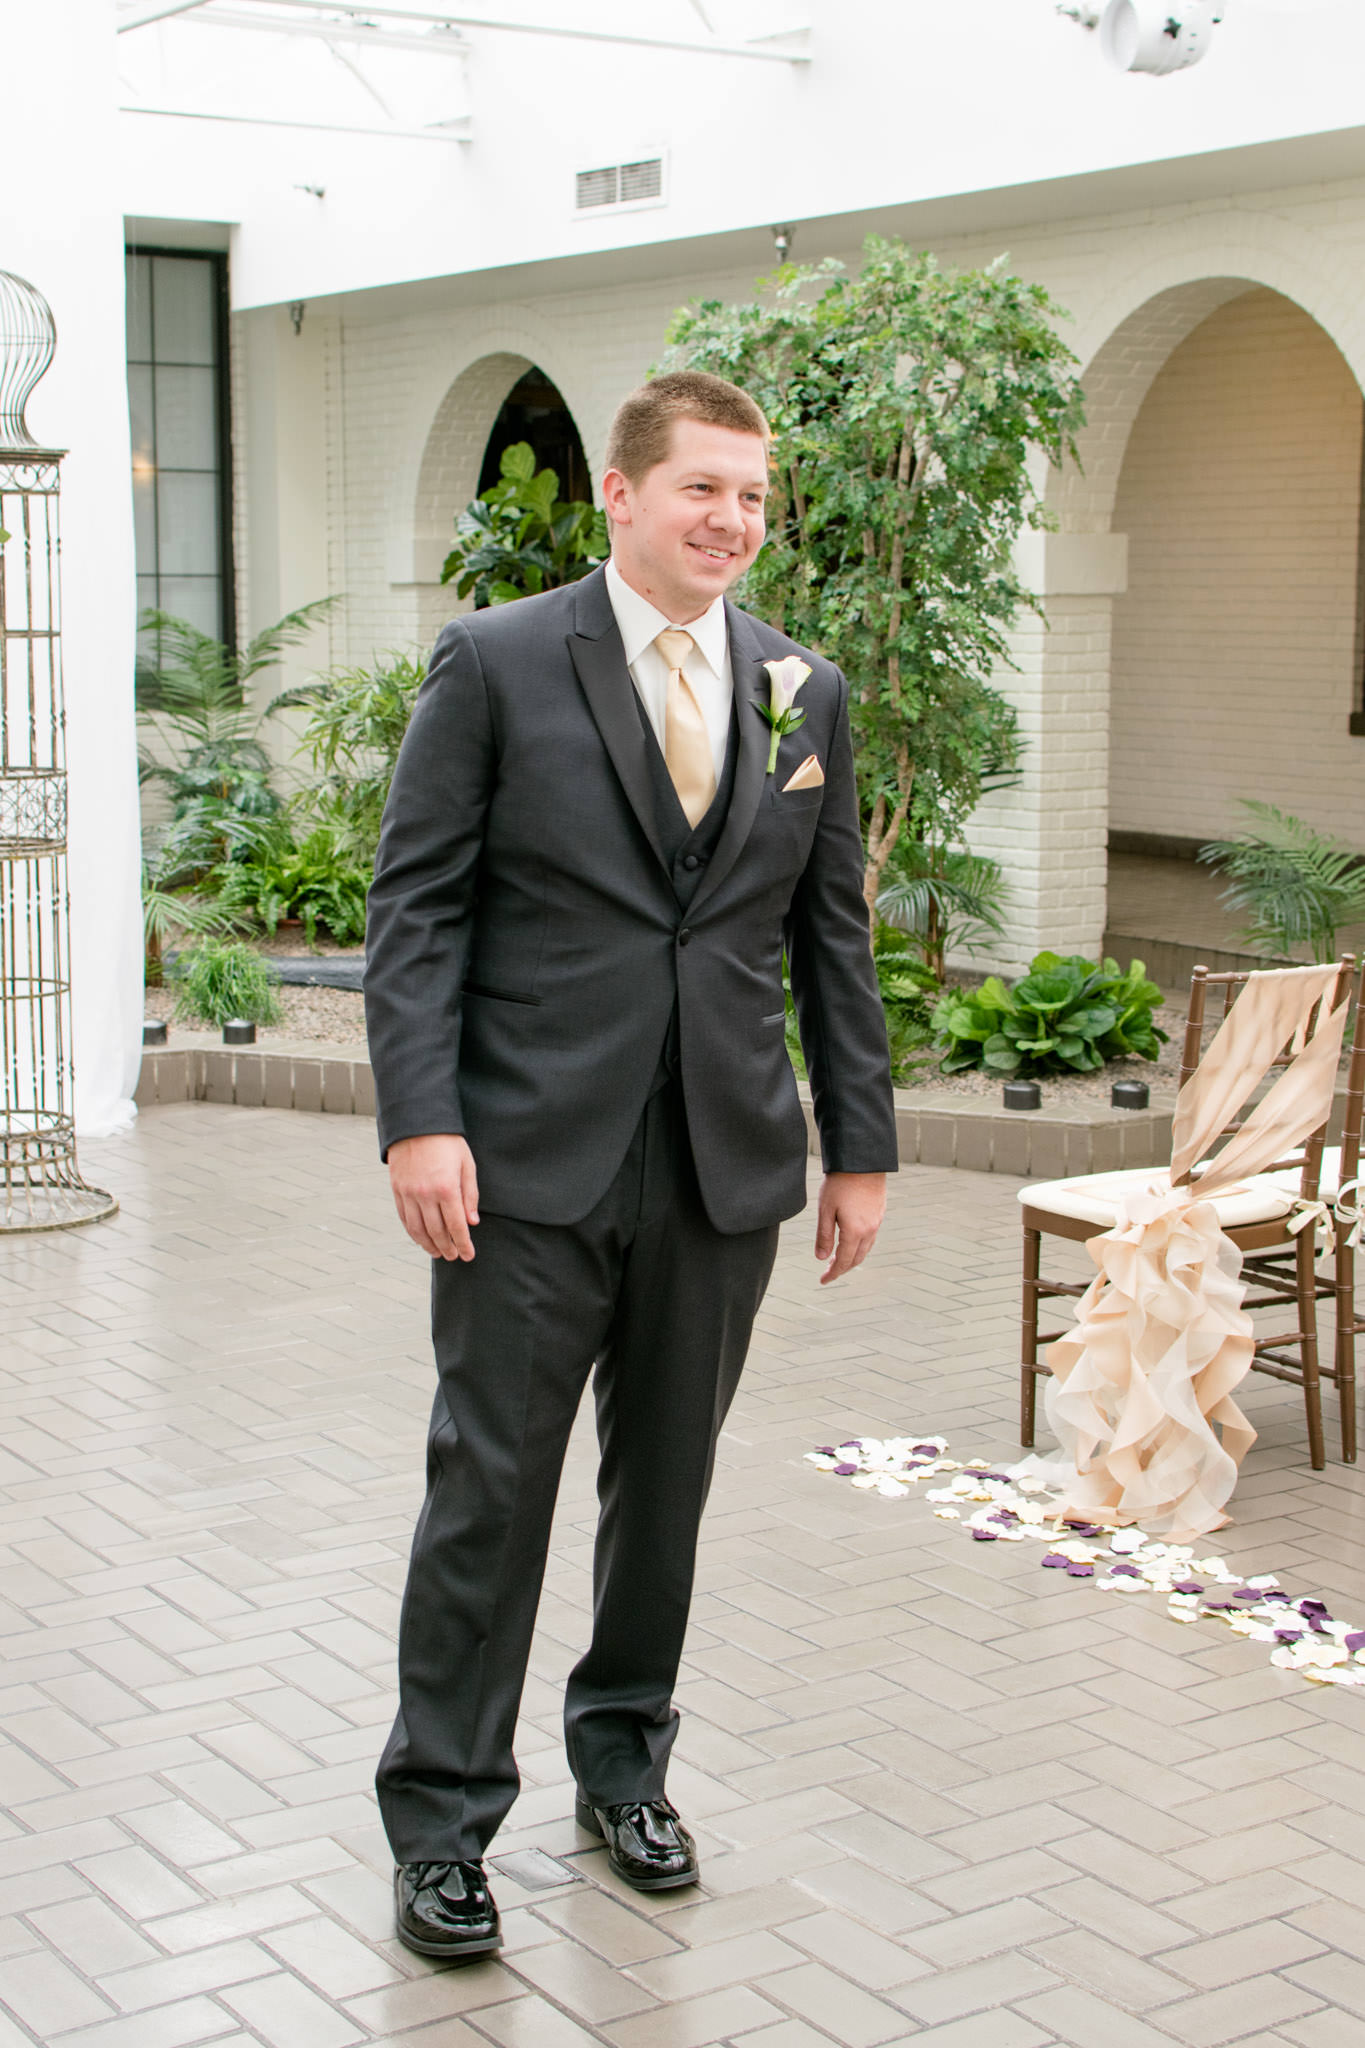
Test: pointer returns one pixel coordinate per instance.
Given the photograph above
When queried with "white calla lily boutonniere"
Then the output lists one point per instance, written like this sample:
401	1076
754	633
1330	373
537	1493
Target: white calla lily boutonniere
786	677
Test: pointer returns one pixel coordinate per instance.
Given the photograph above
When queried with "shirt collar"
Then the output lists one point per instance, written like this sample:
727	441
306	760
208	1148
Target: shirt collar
640	623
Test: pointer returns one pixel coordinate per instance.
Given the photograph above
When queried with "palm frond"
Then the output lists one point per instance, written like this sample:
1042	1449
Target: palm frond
1295	886
268	645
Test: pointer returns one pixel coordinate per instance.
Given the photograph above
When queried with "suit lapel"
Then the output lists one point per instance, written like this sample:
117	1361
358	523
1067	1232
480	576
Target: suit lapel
600	661
750	680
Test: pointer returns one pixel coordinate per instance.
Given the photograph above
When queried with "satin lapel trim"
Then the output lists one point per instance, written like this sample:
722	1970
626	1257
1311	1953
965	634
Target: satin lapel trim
750	681
601	667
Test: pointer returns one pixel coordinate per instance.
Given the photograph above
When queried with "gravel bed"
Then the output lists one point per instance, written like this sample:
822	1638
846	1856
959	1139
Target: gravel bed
334	1016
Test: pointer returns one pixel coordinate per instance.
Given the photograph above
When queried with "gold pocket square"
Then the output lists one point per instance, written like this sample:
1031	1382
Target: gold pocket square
808	776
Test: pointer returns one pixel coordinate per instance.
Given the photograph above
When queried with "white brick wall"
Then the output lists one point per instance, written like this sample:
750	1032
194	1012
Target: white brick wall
1235	646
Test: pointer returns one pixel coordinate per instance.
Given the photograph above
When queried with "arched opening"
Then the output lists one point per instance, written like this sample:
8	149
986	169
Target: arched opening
1236	655
534	411
499	399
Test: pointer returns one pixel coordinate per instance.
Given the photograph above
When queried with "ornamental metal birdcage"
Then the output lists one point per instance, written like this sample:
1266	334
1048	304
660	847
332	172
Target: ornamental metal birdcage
40	1183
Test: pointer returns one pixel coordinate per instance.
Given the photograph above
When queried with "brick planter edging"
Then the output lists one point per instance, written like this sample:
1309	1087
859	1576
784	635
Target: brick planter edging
326	1079
934	1129
975	1133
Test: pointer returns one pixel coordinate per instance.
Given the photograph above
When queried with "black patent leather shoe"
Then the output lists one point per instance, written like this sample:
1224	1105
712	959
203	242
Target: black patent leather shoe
446	1910
647	1844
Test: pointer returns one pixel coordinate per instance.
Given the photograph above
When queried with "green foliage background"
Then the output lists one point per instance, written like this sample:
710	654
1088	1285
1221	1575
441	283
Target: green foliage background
1064	1016
907	405
522	537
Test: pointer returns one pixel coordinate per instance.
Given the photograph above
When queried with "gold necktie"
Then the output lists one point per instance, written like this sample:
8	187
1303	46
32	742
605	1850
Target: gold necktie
687	745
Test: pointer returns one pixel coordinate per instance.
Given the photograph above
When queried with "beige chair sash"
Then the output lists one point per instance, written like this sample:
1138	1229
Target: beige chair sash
1161	1338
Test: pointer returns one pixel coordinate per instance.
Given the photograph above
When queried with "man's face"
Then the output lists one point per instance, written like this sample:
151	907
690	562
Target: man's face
692	524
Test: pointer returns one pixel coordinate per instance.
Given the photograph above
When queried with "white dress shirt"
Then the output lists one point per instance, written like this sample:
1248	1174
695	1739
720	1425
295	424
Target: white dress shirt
707	667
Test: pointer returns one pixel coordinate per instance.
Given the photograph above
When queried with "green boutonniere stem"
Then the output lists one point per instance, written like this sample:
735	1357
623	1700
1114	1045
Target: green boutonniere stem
782	722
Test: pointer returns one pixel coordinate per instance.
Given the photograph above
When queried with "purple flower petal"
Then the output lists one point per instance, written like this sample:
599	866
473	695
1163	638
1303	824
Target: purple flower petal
1356	1640
1054	1561
851	1443
1080	1571
926	1450
1311	1607
1124	1571
1292	1635
825	1450
1248	1595
1082	1528
1187	1586
984	1536
844	1471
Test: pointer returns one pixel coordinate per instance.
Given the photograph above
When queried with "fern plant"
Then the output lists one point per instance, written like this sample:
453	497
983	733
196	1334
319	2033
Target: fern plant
356	721
191	696
1297	887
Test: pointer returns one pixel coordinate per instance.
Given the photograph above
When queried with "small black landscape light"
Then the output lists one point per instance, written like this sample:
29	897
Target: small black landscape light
238	1032
1023	1095
1130	1095
153	1031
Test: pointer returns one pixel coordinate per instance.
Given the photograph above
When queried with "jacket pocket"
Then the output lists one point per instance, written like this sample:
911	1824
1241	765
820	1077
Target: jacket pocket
499	995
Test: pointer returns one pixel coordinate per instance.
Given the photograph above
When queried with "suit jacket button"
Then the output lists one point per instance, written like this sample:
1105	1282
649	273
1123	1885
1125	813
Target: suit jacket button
692	860
684	935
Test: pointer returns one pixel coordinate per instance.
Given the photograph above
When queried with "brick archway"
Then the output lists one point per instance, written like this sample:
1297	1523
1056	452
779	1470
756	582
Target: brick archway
1166	280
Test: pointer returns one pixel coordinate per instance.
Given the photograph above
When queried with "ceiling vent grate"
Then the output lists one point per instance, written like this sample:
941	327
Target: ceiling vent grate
640	183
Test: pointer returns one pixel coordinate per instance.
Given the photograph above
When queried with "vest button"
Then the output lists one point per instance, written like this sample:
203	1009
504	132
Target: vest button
691	861
684	935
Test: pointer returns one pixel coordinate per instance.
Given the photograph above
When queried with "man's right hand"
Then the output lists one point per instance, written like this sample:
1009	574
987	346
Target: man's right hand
436	1193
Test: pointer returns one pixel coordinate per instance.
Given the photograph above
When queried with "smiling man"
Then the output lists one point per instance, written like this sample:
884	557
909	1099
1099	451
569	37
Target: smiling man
595	853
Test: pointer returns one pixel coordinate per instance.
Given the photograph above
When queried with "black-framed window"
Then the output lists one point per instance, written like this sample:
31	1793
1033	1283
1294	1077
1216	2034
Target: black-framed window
178	405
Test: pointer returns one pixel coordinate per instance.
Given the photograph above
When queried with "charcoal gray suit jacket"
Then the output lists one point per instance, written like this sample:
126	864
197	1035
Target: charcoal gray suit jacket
526	946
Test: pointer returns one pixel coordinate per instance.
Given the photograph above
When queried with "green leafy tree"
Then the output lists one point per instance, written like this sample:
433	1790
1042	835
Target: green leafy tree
906	403
1296	886
521	537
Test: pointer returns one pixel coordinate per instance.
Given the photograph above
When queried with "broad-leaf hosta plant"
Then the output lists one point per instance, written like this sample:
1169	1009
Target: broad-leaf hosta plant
1064	1016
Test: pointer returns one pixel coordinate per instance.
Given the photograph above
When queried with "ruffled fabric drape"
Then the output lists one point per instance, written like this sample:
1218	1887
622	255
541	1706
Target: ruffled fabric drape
1161	1339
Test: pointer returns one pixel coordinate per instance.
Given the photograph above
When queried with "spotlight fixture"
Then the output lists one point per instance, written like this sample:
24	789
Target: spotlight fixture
1155	36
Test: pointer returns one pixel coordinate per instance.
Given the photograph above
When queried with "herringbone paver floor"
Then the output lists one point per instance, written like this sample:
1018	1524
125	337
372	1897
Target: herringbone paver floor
940	1797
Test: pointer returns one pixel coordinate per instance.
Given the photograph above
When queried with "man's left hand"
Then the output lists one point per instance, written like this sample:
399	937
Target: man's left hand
852	1206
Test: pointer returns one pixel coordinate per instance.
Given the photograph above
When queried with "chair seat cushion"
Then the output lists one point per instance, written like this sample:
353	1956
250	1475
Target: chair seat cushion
1093	1197
1329	1179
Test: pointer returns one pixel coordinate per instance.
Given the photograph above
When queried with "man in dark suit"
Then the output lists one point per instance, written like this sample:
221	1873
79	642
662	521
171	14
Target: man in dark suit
594	855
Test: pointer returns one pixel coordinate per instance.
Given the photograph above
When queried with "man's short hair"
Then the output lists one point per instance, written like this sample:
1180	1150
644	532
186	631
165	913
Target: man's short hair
642	432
